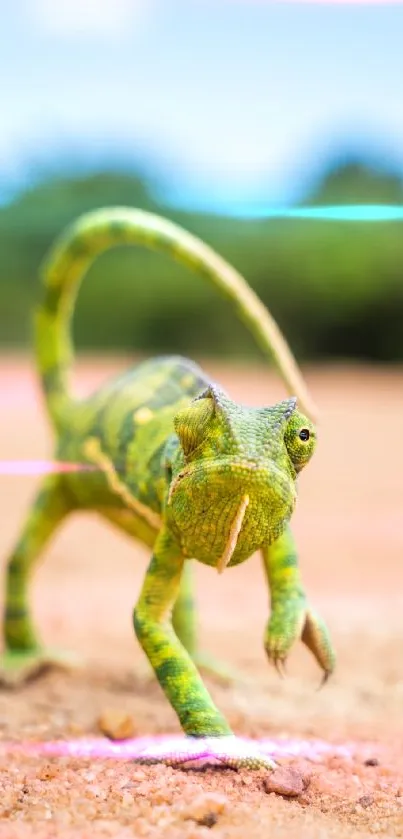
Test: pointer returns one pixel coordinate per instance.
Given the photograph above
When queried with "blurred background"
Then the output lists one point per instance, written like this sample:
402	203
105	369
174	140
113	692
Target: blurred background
216	113
221	115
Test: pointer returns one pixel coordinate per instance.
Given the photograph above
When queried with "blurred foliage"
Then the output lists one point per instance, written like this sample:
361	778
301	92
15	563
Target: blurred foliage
335	288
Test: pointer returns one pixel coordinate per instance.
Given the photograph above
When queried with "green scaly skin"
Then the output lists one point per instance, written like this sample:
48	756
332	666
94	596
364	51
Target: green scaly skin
174	462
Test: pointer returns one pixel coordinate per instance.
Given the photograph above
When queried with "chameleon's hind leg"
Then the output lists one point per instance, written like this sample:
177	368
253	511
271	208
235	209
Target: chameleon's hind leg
184	622
24	656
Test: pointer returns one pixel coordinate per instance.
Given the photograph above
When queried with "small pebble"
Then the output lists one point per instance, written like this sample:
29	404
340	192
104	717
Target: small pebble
285	781
371	761
117	725
48	772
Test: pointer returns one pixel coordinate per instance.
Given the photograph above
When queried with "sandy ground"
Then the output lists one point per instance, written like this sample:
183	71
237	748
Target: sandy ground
349	528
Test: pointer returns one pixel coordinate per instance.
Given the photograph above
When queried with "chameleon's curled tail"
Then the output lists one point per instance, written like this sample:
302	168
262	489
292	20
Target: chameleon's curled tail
96	232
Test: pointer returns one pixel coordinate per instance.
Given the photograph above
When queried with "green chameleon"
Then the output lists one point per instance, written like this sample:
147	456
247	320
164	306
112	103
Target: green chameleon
170	459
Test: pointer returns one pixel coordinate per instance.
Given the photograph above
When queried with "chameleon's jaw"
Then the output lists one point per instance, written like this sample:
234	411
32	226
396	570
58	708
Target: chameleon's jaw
224	511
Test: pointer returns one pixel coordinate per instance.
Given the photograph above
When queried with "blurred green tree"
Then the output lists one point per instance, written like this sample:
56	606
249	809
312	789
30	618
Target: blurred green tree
335	287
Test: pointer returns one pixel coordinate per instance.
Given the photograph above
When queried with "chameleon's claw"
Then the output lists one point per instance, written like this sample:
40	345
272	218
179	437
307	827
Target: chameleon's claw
280	665
312	631
325	678
198	752
316	637
276	650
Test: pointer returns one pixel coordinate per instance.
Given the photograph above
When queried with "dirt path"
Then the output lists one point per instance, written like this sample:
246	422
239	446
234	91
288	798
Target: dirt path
349	529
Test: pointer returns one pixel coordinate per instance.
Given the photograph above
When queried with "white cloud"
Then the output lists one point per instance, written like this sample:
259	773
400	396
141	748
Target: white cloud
91	18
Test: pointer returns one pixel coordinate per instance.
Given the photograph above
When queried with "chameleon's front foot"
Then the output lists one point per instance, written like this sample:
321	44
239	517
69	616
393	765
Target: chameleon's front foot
293	622
17	667
199	752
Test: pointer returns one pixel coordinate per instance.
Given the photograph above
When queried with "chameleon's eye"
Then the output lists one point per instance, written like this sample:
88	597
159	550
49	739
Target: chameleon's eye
300	440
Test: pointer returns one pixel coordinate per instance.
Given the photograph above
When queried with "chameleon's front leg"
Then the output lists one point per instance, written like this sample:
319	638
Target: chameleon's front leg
184	624
209	738
291	617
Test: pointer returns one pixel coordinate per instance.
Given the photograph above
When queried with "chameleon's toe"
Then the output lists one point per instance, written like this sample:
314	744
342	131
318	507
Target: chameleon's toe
315	636
280	665
199	752
18	667
306	626
277	648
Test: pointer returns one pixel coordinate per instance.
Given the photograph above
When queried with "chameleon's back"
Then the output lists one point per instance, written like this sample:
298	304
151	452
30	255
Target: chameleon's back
127	423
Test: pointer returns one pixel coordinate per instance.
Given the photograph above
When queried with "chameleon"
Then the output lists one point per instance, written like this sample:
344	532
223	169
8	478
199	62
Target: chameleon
170	459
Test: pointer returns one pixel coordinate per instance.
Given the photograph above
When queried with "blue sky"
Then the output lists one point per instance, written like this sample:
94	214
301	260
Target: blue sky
224	99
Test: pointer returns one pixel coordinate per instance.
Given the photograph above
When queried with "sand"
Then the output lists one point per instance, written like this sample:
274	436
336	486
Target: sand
349	528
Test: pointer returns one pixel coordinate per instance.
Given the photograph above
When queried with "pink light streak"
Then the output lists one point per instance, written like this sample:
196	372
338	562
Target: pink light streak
41	467
101	748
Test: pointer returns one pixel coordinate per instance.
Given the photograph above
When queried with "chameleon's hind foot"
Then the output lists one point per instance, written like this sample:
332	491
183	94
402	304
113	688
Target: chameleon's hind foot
17	667
199	752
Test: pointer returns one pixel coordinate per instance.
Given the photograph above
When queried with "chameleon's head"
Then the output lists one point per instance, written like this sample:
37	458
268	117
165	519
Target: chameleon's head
233	482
